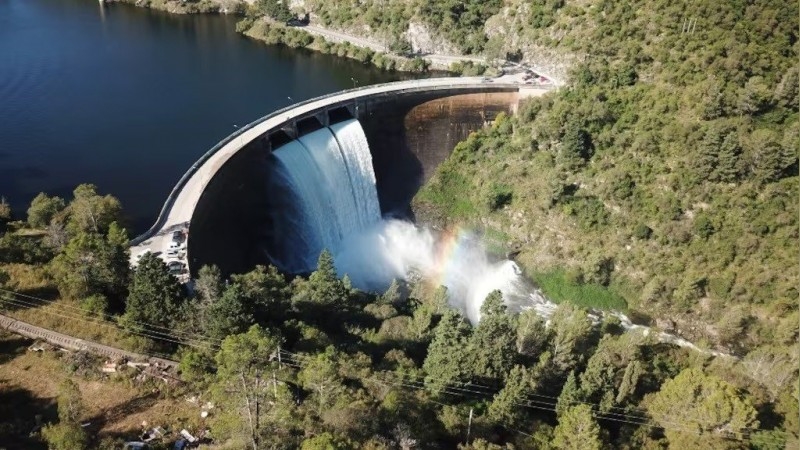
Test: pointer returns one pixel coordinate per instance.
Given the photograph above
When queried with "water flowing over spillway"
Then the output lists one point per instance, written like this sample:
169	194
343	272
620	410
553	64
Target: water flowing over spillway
330	171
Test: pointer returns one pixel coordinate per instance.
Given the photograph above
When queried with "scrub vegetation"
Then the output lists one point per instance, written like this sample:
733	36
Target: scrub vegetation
665	174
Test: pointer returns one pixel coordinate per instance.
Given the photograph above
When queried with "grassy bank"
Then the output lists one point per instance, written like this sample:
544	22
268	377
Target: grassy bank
274	32
114	405
559	286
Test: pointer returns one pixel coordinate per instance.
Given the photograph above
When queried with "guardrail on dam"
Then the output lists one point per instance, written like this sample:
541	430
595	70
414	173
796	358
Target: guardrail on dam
411	127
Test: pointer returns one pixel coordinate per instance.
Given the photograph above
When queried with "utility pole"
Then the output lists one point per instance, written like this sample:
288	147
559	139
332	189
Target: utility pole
469	425
689	26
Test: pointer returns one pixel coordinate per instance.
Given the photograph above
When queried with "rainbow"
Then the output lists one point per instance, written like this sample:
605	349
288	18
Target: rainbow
450	253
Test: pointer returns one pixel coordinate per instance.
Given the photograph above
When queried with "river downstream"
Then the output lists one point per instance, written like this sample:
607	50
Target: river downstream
128	98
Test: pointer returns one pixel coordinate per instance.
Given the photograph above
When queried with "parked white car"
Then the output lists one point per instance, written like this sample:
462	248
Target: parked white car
172	249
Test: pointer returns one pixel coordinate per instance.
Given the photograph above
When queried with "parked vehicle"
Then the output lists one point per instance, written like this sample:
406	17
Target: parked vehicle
175	267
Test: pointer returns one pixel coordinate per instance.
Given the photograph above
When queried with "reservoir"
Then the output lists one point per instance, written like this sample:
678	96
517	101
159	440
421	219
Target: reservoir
127	98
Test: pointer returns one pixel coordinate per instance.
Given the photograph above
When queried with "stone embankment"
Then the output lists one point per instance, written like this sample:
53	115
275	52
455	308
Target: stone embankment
73	343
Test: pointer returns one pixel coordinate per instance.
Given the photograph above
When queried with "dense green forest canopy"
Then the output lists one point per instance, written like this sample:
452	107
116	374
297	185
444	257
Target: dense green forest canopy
313	363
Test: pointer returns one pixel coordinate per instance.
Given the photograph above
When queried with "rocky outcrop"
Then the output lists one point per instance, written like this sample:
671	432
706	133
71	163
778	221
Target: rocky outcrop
508	29
424	41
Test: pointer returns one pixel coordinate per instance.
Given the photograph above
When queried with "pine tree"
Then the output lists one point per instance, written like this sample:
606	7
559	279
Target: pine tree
709	406
573	334
231	314
445	363
492	346
506	407
320	376
324	285
266	290
392	294
769	159
630	379
729	163
208	286
576	147
570	394
155	296
116	255
43	209
786	93
704	160
532	334
90	212
577	430
247	379
92	264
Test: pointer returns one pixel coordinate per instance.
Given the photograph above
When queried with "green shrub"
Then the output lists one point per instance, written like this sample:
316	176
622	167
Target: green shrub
642	231
565	286
499	195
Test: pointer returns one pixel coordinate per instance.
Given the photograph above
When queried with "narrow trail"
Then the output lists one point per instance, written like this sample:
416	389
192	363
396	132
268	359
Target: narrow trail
72	343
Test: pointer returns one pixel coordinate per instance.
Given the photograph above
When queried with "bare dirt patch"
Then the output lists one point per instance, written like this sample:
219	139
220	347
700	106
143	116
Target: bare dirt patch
116	406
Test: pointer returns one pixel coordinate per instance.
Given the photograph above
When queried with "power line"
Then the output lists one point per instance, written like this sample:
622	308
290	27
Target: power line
298	360
543	406
493	390
634	413
161	337
110	316
551	406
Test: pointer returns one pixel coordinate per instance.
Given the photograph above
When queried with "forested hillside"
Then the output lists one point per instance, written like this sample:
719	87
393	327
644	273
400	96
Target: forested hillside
666	170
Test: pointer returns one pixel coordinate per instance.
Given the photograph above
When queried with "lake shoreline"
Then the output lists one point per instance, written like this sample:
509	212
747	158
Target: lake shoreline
271	32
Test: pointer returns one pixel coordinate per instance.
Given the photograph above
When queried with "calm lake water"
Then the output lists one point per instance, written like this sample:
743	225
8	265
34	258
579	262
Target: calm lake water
128	98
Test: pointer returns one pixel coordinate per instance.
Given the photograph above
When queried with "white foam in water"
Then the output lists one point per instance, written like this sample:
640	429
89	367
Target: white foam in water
392	249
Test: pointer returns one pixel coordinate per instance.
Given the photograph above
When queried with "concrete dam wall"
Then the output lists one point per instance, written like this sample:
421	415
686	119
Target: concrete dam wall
409	135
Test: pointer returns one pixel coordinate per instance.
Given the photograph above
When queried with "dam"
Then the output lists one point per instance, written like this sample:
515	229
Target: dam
233	202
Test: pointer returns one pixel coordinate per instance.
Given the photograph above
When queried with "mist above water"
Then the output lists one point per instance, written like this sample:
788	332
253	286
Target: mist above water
392	249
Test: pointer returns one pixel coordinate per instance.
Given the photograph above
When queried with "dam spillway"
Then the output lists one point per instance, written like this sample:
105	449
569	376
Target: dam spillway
331	181
232	203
